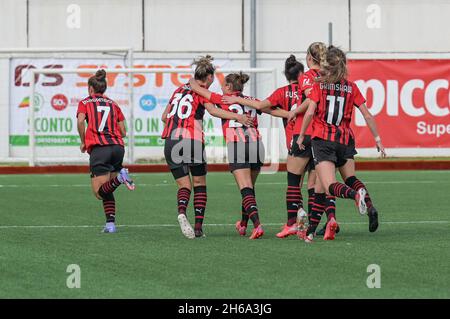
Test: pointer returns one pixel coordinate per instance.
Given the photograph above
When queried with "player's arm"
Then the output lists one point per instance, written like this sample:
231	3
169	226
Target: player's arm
306	122
299	110
81	126
200	90
226	115
370	120
122	128
254	104
164	115
278	112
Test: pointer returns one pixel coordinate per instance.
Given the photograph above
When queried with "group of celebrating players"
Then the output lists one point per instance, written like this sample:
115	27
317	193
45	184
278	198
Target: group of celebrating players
316	107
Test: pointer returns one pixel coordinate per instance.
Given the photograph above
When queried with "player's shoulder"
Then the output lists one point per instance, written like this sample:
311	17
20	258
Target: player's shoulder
85	100
283	88
311	75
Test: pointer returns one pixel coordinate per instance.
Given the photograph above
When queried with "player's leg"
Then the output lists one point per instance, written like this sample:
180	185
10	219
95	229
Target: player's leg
329	155
106	159
173	153
200	197
198	170
294	201
317	210
244	181
310	185
241	226
106	168
109	203
348	175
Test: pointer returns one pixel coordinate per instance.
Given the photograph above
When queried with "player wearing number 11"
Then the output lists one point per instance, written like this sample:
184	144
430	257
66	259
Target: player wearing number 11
331	105
103	140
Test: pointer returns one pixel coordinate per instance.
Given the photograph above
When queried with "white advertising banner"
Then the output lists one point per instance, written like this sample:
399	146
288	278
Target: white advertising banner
57	97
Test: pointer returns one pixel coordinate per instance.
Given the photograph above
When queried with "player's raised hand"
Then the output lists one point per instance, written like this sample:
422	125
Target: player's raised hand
229	99
245	120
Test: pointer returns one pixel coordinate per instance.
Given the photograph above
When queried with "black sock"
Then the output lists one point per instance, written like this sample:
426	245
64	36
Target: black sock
316	212
109	187
183	196
356	184
310	201
244	217
109	207
200	199
330	207
293	197
249	203
341	190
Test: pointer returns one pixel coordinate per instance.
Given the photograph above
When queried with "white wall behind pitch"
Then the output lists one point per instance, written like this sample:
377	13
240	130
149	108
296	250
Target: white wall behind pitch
405	25
200	25
103	23
291	25
13	23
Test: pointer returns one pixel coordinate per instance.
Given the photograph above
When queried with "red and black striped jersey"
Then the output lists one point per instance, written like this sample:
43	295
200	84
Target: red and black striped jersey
286	98
335	102
234	131
185	117
102	116
305	82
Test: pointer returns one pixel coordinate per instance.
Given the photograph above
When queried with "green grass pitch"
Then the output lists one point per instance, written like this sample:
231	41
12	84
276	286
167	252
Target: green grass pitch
149	258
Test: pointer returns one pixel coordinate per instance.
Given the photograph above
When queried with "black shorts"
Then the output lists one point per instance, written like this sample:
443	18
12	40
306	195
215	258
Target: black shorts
330	151
297	152
295	149
185	156
246	155
105	159
351	149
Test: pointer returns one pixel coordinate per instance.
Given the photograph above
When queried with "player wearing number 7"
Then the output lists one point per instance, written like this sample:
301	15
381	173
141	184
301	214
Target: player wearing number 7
332	100
184	143
103	140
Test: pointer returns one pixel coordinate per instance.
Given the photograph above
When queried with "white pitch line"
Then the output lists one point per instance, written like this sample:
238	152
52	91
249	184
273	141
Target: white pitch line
214	225
171	184
366	182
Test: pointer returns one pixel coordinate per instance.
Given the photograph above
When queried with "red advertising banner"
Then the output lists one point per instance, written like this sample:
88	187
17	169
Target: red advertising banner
409	99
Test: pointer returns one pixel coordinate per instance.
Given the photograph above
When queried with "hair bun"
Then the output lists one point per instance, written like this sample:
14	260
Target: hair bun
291	61
243	78
100	75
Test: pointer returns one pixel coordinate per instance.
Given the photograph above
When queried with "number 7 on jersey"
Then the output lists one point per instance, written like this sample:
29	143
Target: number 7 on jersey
105	110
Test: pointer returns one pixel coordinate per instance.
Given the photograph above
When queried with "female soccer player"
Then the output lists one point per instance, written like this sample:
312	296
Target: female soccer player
331	106
184	143
103	141
244	145
315	54
286	98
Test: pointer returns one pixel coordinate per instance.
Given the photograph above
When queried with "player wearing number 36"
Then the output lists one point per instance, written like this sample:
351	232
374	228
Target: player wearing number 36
103	140
184	143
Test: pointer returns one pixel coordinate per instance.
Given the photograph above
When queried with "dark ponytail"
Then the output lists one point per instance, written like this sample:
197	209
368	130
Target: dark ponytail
293	68
98	82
